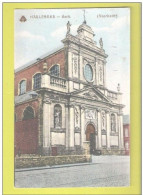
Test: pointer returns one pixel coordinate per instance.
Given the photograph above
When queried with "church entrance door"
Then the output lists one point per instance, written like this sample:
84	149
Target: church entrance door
90	136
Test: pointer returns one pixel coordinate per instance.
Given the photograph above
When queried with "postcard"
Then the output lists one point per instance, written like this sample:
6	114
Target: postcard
72	109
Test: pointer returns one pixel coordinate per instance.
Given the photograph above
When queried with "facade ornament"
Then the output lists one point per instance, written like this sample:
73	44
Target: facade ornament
113	122
76	116
68	27
118	87
47	100
100	74
75	64
90	114
101	43
84	17
45	67
103	119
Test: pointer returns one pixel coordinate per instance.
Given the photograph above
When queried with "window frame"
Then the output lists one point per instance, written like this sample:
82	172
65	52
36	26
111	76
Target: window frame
91	68
52	67
33	83
19	87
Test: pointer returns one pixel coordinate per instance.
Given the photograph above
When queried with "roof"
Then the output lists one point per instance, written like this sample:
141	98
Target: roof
40	57
126	119
25	97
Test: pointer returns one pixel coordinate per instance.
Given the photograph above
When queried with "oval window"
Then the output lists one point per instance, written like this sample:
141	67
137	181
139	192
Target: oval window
88	72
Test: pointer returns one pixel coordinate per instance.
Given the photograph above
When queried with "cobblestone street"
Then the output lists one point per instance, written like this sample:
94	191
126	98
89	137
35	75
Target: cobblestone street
104	171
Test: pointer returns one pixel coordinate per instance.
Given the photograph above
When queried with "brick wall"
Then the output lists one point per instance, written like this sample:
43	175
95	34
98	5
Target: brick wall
26	132
27	74
26	136
126	138
19	109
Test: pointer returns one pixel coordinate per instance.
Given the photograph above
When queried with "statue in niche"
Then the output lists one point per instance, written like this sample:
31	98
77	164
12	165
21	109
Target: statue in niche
68	27
101	43
57	118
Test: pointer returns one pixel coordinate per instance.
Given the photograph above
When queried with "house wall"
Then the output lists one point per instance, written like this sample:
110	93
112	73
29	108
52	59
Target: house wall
126	138
26	131
28	73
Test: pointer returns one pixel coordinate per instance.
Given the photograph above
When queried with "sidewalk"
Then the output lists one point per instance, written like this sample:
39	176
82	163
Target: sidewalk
52	167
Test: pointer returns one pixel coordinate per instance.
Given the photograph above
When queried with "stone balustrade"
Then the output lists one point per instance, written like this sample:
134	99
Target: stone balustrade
112	95
57	81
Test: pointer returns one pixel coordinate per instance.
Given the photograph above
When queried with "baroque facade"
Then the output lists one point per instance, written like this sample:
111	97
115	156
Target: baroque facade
61	100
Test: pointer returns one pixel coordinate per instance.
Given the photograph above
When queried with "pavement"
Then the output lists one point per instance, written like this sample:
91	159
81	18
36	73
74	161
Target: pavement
103	171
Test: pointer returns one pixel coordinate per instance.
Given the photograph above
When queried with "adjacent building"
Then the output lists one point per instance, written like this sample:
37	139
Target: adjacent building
126	129
62	101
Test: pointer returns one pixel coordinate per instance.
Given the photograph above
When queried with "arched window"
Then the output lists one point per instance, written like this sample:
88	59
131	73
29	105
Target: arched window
22	87
113	122
55	71
28	113
88	72
37	81
57	116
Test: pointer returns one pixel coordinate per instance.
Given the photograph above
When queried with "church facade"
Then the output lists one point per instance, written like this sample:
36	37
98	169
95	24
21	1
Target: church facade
61	101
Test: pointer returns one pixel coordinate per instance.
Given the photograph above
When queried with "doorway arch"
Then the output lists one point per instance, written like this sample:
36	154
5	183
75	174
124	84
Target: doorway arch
90	136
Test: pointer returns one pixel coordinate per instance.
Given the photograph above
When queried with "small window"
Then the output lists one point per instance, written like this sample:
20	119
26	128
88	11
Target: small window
28	113
54	70
37	81
22	87
88	72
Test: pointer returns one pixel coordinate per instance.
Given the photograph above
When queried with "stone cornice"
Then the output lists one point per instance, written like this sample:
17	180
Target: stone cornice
84	44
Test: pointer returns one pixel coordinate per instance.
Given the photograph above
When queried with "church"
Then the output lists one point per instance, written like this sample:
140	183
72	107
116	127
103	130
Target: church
62	101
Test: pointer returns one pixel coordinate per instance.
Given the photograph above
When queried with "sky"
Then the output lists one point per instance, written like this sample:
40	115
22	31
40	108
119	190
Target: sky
39	35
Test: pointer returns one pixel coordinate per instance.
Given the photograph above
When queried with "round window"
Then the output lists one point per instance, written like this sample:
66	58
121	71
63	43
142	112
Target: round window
88	72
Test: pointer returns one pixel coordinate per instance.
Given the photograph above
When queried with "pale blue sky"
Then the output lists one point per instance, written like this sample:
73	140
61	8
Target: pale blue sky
36	37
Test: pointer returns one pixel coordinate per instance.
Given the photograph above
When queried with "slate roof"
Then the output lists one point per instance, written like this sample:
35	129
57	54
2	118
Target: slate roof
40	57
25	97
126	119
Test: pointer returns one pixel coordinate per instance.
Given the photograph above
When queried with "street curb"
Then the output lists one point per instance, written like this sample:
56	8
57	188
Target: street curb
52	167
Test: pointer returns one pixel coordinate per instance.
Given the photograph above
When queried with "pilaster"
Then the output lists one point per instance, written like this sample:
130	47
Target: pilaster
82	118
71	126
108	128
99	128
46	124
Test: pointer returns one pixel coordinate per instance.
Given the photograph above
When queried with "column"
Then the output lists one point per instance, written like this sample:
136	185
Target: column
71	126
108	129
99	129
82	118
67	124
46	125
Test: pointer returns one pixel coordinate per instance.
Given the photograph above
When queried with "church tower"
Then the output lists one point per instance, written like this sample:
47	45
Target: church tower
85	61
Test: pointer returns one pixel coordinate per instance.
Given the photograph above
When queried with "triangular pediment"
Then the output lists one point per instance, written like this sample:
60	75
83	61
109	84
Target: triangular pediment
91	93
